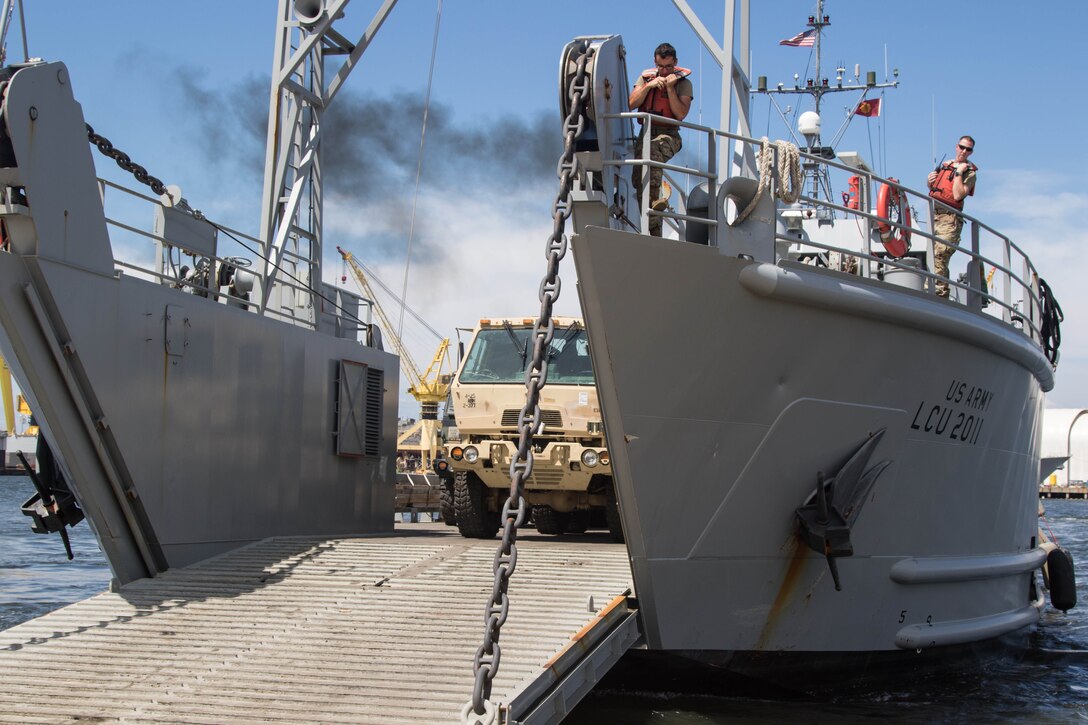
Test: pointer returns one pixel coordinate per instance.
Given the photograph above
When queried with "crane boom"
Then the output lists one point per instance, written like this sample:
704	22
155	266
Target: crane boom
406	361
429	388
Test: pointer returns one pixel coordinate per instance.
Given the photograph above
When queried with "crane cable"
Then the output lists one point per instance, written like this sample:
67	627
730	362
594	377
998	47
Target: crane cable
419	168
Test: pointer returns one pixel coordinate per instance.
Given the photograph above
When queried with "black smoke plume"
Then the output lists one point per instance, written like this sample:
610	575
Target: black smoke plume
371	146
371	149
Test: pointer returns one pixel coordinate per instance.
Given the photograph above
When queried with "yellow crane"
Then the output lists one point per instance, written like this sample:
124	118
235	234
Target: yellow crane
429	388
13	404
5	394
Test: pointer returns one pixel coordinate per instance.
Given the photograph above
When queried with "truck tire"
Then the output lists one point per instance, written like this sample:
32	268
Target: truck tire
474	521
445	502
549	521
612	514
579	521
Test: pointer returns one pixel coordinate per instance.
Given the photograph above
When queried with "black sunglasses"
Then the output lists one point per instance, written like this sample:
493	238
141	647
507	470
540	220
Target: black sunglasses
968	149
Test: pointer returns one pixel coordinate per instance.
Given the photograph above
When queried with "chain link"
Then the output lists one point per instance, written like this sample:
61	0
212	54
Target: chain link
125	162
515	510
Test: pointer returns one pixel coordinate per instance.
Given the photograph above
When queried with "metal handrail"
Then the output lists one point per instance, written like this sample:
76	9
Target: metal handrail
1027	320
211	293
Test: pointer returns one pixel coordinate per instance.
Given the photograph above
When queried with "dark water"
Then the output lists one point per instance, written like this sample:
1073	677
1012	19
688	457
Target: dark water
35	574
1045	681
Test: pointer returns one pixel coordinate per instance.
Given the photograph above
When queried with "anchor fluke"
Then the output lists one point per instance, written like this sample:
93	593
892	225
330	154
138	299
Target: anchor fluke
824	521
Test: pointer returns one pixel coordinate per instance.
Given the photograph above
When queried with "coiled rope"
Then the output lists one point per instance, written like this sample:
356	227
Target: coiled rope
789	174
1050	330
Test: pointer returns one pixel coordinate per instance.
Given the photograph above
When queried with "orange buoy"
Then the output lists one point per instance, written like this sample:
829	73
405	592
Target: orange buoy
896	240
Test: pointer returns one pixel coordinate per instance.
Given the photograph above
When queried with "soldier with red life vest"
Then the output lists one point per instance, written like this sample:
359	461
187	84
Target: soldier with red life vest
950	183
664	91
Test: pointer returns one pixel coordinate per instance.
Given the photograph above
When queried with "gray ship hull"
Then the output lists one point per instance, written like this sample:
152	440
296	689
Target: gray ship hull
727	385
184	426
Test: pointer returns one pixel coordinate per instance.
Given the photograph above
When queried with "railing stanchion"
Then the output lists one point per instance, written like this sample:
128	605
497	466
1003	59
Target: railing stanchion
1006	261
712	188
974	272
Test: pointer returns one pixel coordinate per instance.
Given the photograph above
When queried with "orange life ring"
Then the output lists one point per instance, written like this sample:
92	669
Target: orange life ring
896	240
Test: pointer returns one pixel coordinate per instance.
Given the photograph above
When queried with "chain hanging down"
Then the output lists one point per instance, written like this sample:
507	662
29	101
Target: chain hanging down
480	710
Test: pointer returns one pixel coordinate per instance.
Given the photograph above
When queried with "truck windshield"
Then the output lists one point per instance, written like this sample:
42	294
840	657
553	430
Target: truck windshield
495	357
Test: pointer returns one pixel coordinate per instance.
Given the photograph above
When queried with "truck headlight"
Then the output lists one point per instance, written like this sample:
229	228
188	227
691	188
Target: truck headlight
604	459
457	453
589	458
471	454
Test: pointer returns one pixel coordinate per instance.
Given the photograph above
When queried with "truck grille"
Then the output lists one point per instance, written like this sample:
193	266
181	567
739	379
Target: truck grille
547	477
551	418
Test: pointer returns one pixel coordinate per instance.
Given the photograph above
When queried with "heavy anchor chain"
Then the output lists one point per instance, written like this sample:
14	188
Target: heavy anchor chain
139	172
480	710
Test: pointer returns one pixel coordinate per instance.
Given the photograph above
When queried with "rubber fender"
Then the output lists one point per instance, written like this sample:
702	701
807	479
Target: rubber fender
1063	581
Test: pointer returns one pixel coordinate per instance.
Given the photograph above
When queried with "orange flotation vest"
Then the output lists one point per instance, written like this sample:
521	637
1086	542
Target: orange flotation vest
942	188
657	101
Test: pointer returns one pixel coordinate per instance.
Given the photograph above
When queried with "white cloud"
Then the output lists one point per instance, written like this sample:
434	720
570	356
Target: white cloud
489	262
1042	215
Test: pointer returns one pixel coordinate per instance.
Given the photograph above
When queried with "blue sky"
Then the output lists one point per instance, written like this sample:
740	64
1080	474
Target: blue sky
181	87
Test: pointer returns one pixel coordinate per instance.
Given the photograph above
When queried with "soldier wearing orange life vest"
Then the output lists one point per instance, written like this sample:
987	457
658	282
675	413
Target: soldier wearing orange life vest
950	183
664	91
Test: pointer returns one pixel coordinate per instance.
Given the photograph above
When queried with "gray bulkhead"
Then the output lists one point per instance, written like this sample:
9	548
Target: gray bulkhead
186	427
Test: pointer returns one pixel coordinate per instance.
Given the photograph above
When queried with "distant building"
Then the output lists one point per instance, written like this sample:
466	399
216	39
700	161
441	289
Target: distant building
1065	446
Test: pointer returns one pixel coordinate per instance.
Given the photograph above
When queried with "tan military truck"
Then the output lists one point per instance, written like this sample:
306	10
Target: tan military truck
570	488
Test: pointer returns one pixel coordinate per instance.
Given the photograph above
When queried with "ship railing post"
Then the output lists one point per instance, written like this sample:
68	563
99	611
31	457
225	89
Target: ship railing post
644	173
930	260
1006	262
712	187
1031	299
866	270
974	272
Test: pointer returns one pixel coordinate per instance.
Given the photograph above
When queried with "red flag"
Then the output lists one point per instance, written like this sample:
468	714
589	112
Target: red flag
807	39
868	107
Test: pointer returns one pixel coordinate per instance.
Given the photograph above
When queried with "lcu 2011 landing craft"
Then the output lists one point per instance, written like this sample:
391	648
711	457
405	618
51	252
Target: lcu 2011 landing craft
816	458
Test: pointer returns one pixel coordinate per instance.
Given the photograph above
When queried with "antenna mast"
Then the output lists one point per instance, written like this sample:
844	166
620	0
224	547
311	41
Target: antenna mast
817	87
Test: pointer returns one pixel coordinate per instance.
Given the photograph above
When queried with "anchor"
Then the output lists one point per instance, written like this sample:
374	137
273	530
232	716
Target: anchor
53	507
824	523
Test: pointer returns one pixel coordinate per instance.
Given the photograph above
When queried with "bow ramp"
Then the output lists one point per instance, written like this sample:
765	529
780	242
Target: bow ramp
376	629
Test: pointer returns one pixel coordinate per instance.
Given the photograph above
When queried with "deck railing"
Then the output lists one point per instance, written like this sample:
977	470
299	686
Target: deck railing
999	278
128	213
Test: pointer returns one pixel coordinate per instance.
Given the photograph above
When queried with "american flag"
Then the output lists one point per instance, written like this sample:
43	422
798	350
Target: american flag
806	39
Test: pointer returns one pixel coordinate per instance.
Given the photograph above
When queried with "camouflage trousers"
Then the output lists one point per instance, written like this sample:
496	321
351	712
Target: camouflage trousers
663	146
946	226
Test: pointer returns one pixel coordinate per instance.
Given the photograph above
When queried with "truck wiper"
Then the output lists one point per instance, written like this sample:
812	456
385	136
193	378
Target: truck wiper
521	346
570	334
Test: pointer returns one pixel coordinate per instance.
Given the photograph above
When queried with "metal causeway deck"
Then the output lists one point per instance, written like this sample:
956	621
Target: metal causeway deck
376	629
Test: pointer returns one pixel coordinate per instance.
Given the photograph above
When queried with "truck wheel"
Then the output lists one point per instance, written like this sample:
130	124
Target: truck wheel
579	521
474	521
445	503
549	521
612	514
